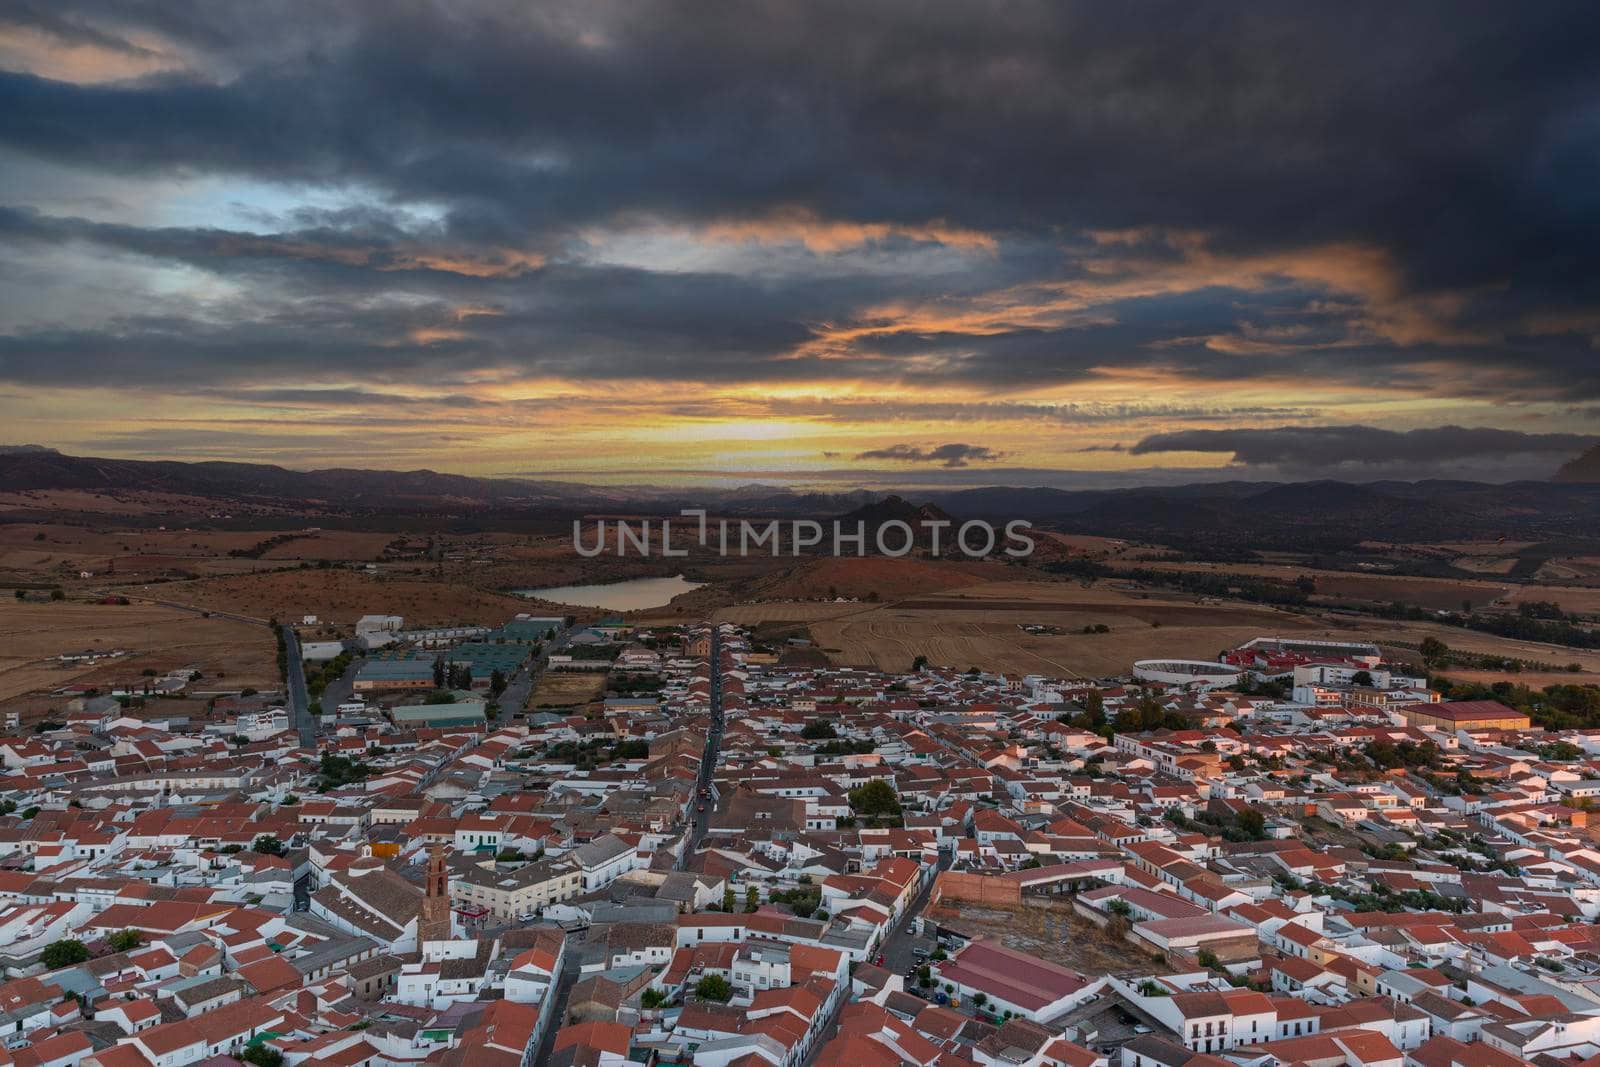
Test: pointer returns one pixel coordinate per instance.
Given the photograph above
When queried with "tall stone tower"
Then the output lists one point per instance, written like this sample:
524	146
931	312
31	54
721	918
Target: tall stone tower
433	922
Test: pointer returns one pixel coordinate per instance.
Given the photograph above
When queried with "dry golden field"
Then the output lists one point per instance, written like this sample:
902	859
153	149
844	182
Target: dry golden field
981	626
340	597
161	639
564	688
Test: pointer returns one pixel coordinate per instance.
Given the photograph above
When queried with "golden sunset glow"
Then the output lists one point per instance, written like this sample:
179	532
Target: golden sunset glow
501	242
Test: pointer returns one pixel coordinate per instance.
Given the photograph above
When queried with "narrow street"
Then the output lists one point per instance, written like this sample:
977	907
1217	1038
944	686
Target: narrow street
571	963
896	949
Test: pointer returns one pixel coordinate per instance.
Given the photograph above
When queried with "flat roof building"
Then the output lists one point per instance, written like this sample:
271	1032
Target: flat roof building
1455	715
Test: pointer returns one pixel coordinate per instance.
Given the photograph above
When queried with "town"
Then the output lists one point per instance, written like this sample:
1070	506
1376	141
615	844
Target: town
725	850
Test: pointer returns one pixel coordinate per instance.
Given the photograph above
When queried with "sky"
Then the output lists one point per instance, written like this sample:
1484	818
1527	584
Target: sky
946	243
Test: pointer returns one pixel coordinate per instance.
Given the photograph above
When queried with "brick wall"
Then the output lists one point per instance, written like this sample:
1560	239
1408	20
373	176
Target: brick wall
976	889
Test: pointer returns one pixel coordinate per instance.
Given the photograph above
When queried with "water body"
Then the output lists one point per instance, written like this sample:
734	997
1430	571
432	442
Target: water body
635	594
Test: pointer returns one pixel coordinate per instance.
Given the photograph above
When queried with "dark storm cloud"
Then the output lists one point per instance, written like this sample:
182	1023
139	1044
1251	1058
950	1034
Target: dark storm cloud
951	455
1329	446
1308	123
1459	141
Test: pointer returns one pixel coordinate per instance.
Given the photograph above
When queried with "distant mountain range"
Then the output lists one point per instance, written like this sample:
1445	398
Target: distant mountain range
1584	468
1216	514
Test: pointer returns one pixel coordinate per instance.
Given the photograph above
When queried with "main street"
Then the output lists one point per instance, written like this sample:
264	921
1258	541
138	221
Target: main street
520	687
295	678
700	821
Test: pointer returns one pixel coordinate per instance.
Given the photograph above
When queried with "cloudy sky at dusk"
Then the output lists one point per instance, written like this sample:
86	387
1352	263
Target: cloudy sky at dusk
943	242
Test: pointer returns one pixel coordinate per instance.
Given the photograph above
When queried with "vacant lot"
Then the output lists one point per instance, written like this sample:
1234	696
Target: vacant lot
160	639
1050	931
561	689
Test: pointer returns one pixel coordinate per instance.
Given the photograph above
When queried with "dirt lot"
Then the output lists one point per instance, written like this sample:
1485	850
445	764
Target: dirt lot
978	626
567	688
1052	932
161	639
342	596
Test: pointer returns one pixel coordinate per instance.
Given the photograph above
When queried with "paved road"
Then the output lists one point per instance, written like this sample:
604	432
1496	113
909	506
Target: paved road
342	689
296	700
298	704
564	982
700	821
520	687
896	948
515	696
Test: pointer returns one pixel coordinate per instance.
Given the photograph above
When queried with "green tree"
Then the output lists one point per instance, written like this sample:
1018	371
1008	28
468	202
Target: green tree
497	683
875	798
262	1056
125	940
752	899
267	845
713	987
727	898
1362	678
1252	822
819	730
1433	651
64	954
652	998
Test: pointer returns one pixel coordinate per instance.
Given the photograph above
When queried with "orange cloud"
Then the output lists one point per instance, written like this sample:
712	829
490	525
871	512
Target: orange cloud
82	62
828	236
486	263
1134	264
